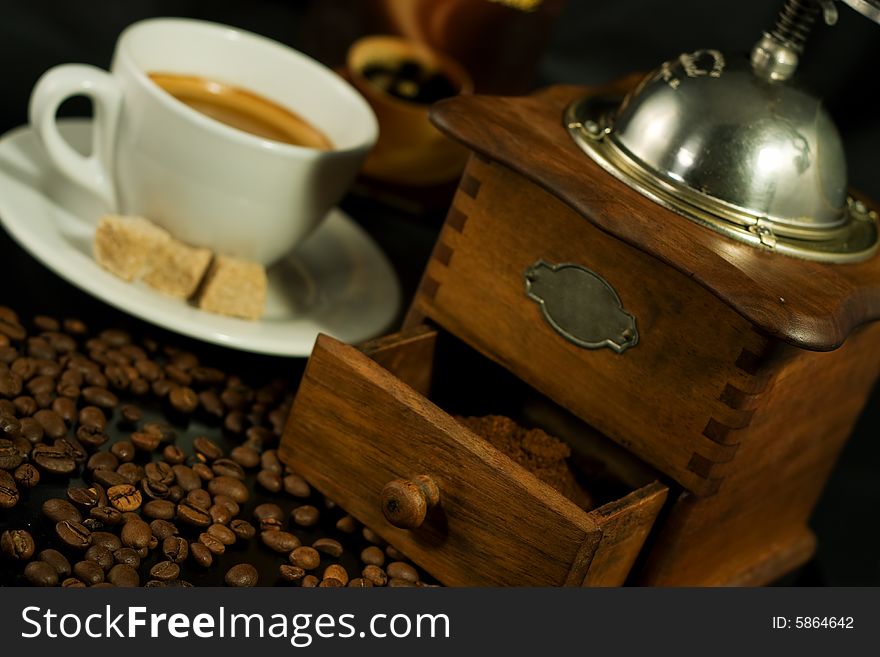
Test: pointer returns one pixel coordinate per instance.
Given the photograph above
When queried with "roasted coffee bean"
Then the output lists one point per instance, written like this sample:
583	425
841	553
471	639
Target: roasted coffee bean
199	497
291	573
330	582
131	414
73	583
102	461
106	514
222	533
175	549
136	534
154	490
65	406
148	369
208	376
10	457
146	442
100	397
132	472
39	573
372	537
373	556
92	417
165	571
269	461
93	524
258	436
271	481
173	455
203	471
210	402
305	557
296	486
235	422
9	494
201	555
73	448
84	497
25	406
52	423
375	575
162	529
360	583
164	431
178	375
57	561
106	540
401	570
228	468
89	572
159	472
183	399
127	556
243	574
17	544
220	514
193	515
229	486
73	534
159	509
243	529
59	510
271	524
100	555
74	326
337	572
91	437
46	323
26	476
279	541
161	388
123	575
176	493
246	457
109	478
207	448
40	348
228	502
31	430
116	377
186	478
10	427
347	524
38	385
397	582
268	510
213	544
310	582
328	546
305	515
123	450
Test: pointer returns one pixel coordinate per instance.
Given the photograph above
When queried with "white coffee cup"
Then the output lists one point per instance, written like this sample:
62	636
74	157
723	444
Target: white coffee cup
209	184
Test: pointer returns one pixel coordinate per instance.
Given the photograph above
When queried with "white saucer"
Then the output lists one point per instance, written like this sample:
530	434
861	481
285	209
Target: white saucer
337	282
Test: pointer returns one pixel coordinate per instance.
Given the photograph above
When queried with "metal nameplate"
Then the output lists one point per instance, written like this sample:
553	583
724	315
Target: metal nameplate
581	306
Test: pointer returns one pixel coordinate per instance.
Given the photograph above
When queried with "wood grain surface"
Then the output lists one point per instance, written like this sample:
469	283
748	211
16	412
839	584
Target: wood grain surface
808	304
355	427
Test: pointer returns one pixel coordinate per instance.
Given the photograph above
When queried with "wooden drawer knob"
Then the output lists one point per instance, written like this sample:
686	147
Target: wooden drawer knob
406	501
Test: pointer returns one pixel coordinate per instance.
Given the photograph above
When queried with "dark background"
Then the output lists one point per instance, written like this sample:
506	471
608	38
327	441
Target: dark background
593	41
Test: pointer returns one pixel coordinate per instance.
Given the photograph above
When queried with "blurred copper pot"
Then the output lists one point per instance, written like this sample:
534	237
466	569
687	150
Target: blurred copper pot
410	150
496	42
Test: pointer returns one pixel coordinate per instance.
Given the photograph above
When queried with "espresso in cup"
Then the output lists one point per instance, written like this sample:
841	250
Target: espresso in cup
242	109
246	193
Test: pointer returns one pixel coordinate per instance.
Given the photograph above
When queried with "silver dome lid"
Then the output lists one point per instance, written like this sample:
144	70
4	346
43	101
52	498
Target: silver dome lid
733	146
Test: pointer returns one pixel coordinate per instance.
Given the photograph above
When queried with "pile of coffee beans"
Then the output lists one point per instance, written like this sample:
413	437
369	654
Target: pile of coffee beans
127	463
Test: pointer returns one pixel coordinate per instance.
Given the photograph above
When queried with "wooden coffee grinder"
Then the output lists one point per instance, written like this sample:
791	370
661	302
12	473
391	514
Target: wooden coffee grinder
679	264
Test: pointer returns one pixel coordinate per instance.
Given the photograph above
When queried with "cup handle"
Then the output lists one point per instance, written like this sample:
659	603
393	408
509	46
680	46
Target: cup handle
93	172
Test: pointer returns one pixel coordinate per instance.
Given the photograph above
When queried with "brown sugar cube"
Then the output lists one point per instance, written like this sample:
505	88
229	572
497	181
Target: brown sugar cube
234	287
176	269
122	244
